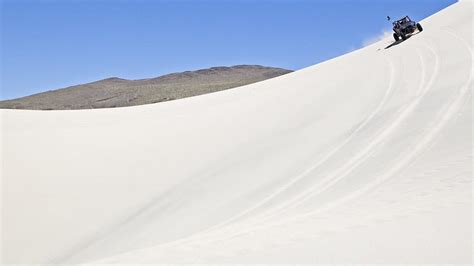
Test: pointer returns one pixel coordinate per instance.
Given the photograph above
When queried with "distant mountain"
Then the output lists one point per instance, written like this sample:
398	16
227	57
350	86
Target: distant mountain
117	92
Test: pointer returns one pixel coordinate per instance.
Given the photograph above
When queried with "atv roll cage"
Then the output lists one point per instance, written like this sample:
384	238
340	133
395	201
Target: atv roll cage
402	21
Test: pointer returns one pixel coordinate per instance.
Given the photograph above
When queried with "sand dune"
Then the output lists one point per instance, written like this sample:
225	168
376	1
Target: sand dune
365	158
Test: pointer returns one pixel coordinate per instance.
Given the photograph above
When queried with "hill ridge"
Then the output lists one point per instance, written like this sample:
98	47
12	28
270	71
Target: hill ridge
119	92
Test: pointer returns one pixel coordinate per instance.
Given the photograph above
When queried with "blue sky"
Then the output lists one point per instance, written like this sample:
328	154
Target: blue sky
53	44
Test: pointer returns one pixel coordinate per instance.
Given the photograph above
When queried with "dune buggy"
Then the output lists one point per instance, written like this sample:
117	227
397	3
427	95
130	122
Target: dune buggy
405	27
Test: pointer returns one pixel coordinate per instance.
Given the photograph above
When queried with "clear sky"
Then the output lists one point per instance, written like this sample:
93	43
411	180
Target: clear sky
53	44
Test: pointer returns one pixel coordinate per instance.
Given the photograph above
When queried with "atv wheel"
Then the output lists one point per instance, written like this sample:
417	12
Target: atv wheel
419	27
404	37
395	36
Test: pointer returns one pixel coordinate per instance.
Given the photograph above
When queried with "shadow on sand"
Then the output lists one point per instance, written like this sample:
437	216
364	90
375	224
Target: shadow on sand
397	42
400	41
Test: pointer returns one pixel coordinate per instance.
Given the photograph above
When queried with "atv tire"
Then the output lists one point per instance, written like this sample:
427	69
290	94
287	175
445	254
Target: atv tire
419	27
404	37
395	36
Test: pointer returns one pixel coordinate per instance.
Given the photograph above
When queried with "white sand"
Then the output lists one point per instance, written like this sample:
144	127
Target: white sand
366	158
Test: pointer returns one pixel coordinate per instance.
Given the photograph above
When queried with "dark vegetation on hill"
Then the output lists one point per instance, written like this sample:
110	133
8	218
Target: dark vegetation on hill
117	92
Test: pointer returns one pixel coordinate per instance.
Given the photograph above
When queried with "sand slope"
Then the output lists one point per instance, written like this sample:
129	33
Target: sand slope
366	158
